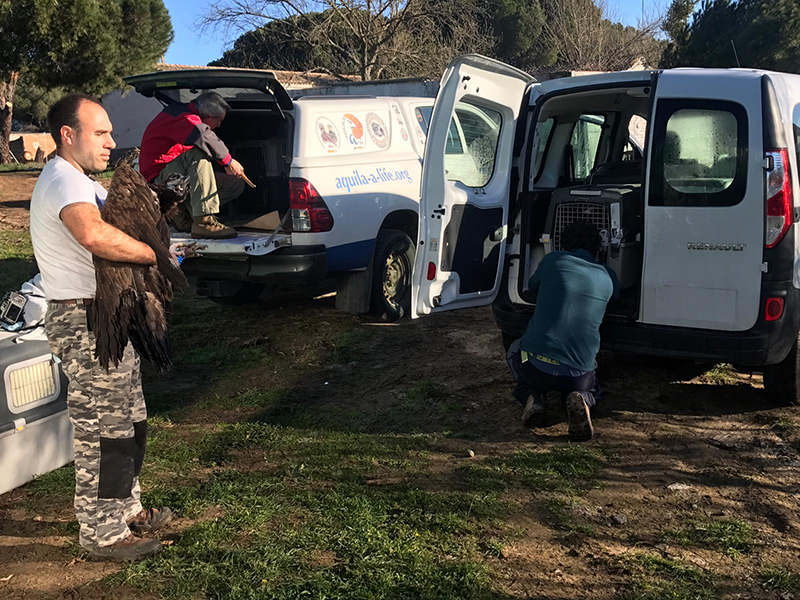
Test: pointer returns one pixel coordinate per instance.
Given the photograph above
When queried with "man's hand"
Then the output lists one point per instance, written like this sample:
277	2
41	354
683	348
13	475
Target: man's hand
235	168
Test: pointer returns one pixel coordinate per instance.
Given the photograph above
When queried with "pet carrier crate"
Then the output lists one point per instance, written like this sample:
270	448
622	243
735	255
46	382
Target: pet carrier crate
615	211
35	431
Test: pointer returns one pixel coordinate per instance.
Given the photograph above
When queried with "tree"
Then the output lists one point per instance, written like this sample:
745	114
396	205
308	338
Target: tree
287	45
721	33
372	39
577	35
516	26
84	45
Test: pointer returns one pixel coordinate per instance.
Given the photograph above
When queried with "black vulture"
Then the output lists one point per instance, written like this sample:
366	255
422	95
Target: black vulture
133	302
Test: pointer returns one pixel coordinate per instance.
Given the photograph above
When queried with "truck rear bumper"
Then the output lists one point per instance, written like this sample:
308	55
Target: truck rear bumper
295	265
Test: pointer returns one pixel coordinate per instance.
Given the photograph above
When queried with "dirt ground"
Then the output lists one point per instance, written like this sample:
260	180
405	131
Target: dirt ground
15	200
682	445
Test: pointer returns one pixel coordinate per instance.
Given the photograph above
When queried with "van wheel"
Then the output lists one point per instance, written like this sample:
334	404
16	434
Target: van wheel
393	261
247	294
508	339
782	381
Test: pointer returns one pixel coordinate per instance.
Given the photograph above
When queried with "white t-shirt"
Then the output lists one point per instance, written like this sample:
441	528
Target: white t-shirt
66	266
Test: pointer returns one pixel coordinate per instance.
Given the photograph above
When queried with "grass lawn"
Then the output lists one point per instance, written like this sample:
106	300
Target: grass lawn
16	260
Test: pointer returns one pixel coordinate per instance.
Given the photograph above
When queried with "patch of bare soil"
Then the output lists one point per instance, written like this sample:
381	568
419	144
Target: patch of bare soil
15	200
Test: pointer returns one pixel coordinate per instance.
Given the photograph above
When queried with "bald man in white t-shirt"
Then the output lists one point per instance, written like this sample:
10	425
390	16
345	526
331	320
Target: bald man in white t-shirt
106	406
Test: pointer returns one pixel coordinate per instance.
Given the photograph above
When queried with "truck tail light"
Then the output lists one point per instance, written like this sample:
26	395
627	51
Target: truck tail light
310	214
774	309
780	206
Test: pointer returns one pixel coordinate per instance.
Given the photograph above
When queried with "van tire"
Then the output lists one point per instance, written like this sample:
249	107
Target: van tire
508	339
247	294
782	380
393	263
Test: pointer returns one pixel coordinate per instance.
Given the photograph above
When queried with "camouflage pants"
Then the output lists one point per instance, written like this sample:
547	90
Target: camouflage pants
108	411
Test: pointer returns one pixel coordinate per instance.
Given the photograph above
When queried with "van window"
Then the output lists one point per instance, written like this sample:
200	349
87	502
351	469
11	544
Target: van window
796	130
454	145
480	127
702	157
544	131
637	137
584	142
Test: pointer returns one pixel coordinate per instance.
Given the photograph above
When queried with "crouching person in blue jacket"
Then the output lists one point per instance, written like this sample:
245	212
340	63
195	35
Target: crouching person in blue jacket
559	348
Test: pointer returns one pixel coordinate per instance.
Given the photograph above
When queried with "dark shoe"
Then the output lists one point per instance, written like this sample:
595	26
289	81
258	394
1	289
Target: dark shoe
534	413
580	422
149	520
208	227
181	218
131	548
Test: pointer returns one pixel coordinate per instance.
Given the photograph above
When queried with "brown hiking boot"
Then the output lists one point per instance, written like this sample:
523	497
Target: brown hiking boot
181	218
131	548
208	227
580	422
149	520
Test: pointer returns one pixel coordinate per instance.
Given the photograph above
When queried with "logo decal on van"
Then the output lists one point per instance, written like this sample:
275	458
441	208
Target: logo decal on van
723	247
377	131
354	131
327	135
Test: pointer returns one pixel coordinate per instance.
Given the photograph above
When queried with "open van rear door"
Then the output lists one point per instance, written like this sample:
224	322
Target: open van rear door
466	176
704	215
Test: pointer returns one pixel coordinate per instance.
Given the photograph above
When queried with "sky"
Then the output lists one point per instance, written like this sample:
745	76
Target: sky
190	47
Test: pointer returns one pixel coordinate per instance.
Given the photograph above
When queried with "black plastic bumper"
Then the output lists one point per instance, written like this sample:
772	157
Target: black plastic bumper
767	343
295	265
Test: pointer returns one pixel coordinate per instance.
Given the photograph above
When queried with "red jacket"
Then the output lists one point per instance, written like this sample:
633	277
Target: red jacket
175	130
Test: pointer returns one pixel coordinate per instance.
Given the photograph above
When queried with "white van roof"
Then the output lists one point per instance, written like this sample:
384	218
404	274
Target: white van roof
644	77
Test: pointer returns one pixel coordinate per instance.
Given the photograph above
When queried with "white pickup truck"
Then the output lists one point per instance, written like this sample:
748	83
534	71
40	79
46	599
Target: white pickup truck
341	172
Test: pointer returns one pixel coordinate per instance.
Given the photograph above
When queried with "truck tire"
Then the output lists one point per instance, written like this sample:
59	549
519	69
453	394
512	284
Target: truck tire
393	263
782	380
247	294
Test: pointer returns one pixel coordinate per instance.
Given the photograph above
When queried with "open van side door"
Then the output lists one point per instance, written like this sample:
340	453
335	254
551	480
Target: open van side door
466	176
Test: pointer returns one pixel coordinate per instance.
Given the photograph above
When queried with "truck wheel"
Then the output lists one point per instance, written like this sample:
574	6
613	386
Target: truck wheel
782	381
393	261
247	294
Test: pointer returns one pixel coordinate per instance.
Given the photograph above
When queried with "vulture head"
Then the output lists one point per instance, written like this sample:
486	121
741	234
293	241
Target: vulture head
171	193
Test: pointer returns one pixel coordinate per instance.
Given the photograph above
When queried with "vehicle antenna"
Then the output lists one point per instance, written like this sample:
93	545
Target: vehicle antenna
736	54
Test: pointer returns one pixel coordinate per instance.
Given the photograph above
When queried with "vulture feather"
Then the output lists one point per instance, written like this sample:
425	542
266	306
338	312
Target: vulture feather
133	302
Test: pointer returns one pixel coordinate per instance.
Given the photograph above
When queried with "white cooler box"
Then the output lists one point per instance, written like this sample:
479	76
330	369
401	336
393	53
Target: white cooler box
35	431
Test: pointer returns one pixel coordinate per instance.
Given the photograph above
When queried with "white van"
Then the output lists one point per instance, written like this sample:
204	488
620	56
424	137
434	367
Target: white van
343	175
700	229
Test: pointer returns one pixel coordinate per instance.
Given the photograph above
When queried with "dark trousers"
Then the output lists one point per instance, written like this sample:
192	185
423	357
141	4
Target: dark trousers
533	382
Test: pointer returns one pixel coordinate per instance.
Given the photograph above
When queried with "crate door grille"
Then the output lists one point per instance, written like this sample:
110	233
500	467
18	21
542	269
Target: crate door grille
570	212
31	383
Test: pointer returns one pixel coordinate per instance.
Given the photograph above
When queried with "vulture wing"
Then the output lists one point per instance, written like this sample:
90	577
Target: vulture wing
132	302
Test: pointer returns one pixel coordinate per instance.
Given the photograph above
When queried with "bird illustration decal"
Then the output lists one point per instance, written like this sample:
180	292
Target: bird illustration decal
133	302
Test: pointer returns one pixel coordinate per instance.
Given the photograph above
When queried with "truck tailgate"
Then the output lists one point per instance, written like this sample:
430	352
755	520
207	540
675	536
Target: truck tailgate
253	243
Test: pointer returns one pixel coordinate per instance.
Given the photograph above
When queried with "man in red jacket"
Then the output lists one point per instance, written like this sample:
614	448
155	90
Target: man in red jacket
181	139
